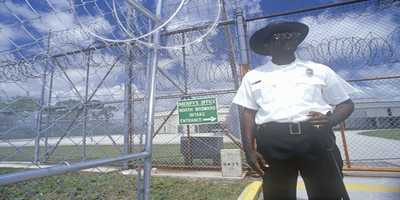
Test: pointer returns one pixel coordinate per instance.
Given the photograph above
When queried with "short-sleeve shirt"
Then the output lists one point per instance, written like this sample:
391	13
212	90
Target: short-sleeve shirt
287	93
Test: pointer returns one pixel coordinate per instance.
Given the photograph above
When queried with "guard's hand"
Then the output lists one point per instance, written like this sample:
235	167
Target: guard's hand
255	159
320	121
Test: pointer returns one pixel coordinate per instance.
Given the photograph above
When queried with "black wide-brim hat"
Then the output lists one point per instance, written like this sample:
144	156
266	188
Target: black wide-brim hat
257	40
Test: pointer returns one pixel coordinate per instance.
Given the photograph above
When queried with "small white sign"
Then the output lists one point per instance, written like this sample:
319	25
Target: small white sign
231	163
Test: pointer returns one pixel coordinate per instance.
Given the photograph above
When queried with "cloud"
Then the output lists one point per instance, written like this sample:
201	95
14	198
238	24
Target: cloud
9	35
16	12
31	87
339	24
55	22
252	6
353	41
192	13
209	67
12	25
59	4
37	21
30	22
357	46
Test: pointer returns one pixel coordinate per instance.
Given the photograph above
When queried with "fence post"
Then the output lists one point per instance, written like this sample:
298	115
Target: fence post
229	46
39	117
48	112
151	109
41	101
128	94
242	38
346	152
243	51
85	111
127	106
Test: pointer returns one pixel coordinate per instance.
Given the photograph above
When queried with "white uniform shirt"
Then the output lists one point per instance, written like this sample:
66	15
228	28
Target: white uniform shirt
286	93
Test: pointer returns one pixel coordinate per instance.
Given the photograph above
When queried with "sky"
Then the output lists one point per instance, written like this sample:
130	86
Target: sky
28	27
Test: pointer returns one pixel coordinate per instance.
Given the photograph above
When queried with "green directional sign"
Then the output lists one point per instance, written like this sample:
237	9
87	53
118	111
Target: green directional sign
198	111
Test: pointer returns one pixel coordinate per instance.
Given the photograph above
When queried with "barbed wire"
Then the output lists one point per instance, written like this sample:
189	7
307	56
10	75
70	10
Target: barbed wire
74	44
138	33
363	7
119	25
353	52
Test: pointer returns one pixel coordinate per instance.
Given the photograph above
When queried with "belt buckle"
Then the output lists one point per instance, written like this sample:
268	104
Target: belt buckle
294	132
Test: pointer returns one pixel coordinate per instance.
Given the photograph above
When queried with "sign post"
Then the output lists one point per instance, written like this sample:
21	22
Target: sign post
198	111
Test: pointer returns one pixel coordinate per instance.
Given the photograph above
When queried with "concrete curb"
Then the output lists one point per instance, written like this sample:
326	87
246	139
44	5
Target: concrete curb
251	192
185	174
372	174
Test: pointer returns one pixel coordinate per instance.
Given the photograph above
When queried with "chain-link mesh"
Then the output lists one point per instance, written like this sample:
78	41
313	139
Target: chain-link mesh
67	97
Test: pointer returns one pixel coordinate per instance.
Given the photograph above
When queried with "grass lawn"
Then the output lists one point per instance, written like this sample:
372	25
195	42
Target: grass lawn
113	185
165	154
393	134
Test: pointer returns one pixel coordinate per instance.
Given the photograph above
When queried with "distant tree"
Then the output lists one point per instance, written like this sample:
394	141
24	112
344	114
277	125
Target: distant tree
19	107
24	103
14	113
65	117
70	103
68	109
106	113
3	105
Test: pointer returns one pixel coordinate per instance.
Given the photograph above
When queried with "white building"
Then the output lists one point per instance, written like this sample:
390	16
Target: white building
373	113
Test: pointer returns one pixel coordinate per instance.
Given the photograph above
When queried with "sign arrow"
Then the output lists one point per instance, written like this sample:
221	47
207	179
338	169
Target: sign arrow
210	119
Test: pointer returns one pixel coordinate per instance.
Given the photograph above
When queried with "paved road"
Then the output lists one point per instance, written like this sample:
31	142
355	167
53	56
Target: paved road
363	187
364	151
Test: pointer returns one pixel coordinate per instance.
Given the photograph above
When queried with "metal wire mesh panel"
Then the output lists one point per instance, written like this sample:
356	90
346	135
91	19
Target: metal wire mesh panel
68	97
201	70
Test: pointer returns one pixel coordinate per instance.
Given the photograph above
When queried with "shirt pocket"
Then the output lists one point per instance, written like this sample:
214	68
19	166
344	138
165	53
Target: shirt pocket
264	93
309	88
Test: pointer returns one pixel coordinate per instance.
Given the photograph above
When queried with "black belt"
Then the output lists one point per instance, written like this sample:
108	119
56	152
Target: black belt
284	129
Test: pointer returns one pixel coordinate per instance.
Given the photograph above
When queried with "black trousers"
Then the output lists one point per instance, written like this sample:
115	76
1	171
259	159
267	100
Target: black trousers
307	153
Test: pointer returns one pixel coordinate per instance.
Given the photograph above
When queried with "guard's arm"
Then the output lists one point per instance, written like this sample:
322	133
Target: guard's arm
341	112
254	158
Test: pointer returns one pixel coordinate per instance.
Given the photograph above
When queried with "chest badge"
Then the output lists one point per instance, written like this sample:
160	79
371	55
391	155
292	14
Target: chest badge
309	72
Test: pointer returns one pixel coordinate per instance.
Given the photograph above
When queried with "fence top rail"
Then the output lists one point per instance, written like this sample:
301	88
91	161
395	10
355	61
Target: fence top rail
372	79
304	10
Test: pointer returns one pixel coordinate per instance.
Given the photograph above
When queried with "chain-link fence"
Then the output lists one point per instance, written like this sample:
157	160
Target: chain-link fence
69	98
